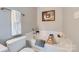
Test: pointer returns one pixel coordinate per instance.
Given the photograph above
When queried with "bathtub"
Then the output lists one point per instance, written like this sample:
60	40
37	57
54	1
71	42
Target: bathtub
63	44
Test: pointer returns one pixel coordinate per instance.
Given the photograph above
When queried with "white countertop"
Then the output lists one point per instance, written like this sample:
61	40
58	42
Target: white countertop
62	43
63	46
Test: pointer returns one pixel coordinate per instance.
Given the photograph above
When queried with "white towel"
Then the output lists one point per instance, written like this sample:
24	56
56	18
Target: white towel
16	22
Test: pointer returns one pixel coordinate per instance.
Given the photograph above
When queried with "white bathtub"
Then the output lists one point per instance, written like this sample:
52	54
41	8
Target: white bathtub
63	44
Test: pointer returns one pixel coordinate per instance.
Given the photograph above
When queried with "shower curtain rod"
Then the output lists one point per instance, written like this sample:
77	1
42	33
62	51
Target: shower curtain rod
10	10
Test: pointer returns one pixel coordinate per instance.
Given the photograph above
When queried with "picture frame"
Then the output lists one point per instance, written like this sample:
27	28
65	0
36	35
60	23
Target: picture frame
48	15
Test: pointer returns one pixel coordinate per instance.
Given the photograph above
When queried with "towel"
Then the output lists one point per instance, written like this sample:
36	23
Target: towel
15	22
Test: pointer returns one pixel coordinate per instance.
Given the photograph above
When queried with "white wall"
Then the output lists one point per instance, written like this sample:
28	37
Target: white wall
71	24
56	25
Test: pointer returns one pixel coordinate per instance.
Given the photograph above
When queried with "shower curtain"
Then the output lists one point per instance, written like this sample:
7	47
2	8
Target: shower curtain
15	22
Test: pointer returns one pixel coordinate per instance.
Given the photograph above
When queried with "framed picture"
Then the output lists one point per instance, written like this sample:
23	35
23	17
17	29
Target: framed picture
48	15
